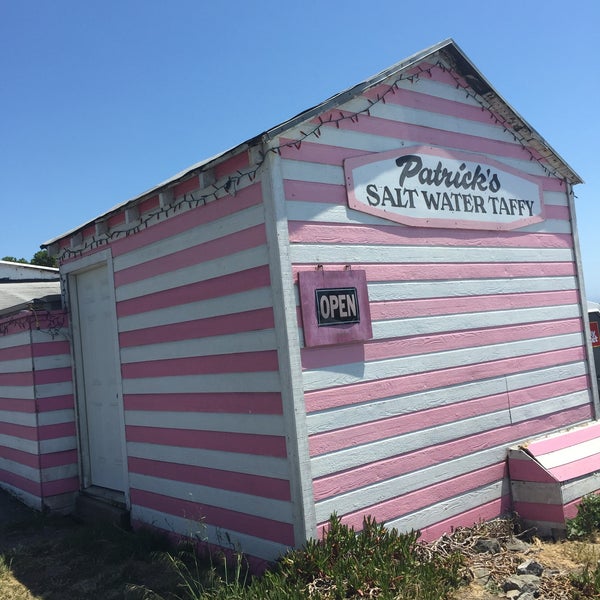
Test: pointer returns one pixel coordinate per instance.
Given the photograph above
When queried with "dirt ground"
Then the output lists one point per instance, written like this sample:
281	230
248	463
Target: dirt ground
44	558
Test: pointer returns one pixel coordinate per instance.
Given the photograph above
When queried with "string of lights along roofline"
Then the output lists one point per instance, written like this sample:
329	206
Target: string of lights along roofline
229	185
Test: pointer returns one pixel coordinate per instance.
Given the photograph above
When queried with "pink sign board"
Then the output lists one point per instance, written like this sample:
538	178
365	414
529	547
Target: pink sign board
595	334
335	307
432	187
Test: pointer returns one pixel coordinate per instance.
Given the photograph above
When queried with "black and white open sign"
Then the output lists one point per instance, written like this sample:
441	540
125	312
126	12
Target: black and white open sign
337	306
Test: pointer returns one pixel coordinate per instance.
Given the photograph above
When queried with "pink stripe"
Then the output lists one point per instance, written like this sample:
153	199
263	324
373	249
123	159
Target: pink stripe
231	165
255	485
242	362
397	235
18	431
331	441
308	191
15	352
536	511
51	432
485	512
58	459
460	271
243	443
223	246
187	186
349	437
527	469
57	348
369	474
250	196
242	402
393	386
571	509
577	468
216	287
252	320
565	440
429	495
318	153
441	306
31	487
425	135
55	403
18	379
17	405
548	390
60	486
19	456
314	358
262	528
53	376
434	104
558	212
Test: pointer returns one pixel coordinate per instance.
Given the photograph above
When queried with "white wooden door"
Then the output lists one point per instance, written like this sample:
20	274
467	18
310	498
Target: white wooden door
100	406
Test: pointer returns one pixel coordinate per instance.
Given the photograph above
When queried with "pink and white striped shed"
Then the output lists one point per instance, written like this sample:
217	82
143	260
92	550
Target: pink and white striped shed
214	410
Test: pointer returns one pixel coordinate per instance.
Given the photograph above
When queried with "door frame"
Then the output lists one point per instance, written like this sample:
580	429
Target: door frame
69	273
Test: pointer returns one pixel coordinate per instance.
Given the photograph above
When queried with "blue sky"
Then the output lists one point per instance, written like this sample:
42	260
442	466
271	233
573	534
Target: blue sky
99	101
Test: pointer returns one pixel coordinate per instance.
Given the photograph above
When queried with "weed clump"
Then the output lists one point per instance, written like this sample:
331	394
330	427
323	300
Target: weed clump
373	563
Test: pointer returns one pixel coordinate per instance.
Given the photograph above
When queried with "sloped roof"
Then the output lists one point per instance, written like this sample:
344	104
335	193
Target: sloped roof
450	51
17	296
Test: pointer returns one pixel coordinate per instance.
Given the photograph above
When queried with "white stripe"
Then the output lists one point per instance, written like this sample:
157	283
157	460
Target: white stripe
445	323
333	213
200	531
18	392
200	234
541	376
415	290
414	116
42	336
19	469
347	253
409	482
57	361
18	418
19	365
363	454
60	472
226	499
51	390
573	490
313	172
560	403
215	307
556	199
339	375
235	462
348	416
232	263
224	422
54	417
564	456
536	492
16	443
14	340
247	341
230	382
58	445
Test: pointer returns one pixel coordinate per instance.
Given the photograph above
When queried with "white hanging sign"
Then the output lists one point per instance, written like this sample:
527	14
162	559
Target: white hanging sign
430	187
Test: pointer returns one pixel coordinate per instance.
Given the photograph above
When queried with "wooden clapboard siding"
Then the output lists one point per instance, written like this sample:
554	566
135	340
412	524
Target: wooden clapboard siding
478	339
204	427
38	456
